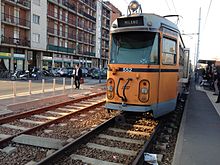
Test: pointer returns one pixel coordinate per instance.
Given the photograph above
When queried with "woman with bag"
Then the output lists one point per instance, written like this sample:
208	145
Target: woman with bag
78	76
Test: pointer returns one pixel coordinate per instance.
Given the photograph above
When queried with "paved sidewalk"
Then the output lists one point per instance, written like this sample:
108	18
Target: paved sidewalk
198	141
10	103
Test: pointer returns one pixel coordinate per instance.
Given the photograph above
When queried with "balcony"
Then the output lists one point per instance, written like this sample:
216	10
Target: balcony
22	3
89	3
15	41
60	48
89	53
68	5
10	19
89	16
61	33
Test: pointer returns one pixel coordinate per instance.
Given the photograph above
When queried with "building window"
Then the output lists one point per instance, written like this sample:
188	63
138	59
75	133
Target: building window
2	30
36	19
169	51
16	33
56	41
36	2
55	28
61	43
66	16
61	30
66	31
61	14
36	37
66	44
55	12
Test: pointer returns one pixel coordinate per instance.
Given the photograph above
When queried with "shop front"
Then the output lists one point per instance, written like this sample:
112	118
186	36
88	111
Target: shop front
58	62
47	62
67	62
5	59
19	61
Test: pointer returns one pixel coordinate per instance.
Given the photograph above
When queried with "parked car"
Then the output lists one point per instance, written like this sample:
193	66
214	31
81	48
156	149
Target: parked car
70	72
84	72
90	70
62	72
95	73
54	72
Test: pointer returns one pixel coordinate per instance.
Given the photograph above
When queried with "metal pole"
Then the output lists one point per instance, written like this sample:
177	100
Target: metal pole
99	34
14	88
30	87
71	82
54	83
197	56
64	81
43	85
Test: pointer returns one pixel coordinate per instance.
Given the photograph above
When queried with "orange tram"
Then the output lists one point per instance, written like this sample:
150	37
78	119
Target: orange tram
148	63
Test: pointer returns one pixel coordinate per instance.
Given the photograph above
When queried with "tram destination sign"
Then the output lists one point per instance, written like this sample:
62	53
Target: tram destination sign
130	21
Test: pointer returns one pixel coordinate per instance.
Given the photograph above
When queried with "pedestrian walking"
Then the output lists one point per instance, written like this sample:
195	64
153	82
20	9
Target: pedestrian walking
218	84
78	75
215	79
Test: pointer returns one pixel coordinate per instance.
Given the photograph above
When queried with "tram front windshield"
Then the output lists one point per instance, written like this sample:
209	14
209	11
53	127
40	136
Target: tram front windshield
134	48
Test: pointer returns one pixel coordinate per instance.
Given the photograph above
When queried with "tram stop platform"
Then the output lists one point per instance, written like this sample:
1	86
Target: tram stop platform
198	140
25	101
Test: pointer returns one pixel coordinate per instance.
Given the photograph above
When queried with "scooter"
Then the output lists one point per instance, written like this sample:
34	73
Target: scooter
20	75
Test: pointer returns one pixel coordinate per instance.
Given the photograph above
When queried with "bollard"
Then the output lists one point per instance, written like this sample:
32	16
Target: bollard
14	89
64	81
43	85
54	83
71	82
30	87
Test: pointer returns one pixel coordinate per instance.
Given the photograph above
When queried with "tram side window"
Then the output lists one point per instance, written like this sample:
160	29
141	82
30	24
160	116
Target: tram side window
169	52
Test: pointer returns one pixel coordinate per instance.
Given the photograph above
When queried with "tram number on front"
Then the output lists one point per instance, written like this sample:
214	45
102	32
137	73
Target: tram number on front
127	69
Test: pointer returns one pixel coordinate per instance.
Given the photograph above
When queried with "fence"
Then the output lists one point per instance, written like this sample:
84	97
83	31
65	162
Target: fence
41	88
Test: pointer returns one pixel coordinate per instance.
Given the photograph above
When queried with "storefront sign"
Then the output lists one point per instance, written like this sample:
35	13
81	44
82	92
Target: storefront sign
67	60
3	54
20	56
58	59
47	58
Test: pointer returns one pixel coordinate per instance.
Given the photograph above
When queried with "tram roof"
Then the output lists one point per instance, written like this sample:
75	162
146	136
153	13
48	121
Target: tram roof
150	20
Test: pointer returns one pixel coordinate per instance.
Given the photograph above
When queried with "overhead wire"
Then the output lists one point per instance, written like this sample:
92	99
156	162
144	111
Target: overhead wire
210	3
174	7
168	5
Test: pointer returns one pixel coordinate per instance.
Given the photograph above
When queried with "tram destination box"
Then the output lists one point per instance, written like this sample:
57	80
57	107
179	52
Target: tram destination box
130	21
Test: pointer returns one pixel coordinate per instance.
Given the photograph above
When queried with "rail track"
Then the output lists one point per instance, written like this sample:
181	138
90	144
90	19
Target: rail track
39	125
84	133
110	143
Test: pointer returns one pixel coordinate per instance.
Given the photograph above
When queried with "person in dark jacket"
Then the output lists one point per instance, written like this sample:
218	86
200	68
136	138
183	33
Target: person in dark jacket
78	75
218	84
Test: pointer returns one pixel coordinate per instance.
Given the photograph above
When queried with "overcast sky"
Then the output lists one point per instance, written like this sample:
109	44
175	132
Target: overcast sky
189	21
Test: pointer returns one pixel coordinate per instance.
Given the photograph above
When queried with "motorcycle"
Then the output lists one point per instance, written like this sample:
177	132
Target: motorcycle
20	75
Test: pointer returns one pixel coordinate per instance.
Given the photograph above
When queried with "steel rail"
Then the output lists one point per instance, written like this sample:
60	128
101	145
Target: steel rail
139	160
47	108
4	142
71	147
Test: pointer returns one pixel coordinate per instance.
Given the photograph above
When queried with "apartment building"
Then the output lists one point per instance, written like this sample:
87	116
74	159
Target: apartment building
52	33
15	33
115	11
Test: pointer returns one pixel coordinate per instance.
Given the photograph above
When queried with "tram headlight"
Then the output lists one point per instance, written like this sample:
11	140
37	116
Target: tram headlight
144	90
134	5
143	94
110	89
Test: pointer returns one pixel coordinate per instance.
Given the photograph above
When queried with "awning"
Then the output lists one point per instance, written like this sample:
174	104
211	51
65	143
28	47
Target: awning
5	55
209	62
19	56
